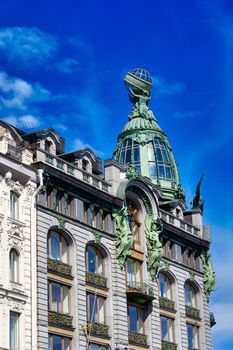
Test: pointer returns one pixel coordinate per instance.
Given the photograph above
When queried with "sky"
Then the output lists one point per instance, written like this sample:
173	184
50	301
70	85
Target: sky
62	65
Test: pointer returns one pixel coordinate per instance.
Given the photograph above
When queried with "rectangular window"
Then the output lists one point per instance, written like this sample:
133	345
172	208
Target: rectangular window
167	328
57	342
133	272
14	332
58	298
95	308
193	336
135	319
14	203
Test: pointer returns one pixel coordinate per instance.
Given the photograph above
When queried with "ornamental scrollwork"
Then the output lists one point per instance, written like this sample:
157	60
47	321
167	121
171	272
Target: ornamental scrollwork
124	239
154	246
209	279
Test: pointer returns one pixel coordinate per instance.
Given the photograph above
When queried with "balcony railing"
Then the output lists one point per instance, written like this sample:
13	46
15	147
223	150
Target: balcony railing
59	319
137	338
139	291
192	312
166	303
98	329
96	279
59	267
167	345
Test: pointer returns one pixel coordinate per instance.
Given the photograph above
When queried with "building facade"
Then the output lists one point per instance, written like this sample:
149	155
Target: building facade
117	259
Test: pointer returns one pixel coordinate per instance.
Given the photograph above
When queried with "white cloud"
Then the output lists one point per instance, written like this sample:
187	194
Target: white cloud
16	93
67	65
186	115
24	122
27	45
167	88
79	144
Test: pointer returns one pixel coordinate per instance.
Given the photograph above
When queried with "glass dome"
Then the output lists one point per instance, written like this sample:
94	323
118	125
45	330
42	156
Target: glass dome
142	74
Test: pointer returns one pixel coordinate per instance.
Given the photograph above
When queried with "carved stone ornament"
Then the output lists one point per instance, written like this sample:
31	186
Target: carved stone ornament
209	279
154	246
143	139
15	230
62	223
30	189
98	238
15	186
132	173
124	241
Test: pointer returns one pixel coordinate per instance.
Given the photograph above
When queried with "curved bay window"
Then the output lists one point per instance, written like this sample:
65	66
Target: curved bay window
14	266
190	295
134	219
57	342
165	289
58	248
94	260
129	153
160	162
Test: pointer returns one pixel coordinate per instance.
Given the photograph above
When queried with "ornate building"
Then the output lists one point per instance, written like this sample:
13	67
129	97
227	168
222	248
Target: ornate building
120	261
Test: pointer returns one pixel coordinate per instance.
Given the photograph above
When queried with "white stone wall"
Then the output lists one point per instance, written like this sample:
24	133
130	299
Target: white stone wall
15	234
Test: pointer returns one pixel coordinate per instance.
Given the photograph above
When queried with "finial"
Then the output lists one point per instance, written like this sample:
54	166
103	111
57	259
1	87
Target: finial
198	203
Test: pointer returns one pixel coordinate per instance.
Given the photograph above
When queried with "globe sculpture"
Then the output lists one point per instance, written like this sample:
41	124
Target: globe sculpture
138	83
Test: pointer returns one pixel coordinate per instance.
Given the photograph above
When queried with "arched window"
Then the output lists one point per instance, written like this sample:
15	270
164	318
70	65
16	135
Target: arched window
14	205
190	295
14	266
94	260
165	288
58	248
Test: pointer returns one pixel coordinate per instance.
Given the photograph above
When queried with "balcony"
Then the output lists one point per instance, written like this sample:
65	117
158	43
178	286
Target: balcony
191	311
60	320
98	329
166	303
167	345
139	292
137	339
59	267
96	279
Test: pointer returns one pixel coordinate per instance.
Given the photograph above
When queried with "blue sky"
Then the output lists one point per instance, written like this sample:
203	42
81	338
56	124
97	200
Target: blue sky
62	65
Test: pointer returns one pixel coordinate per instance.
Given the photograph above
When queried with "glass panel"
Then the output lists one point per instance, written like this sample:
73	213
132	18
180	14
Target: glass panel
64	251
128	156
13	205
13	330
165	156
101	310
168	172
13	266
190	335
193	296
56	297
67	344
153	172
91	259
161	171
195	337
159	155
187	294
55	246
133	318
136	152
162	285
57	342
164	328
168	288
65	291
140	320
151	153
130	271
100	263
138	274
92	308
170	330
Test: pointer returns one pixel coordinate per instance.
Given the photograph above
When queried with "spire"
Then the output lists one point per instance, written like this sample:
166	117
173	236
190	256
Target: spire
198	203
142	143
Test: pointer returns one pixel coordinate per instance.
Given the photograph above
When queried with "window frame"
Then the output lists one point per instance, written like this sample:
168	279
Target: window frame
50	297
16	335
195	344
170	321
139	309
49	244
91	317
63	338
192	295
14	270
98	253
168	283
14	205
135	262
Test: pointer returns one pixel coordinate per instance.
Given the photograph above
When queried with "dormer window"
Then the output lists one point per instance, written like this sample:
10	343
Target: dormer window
47	146
85	165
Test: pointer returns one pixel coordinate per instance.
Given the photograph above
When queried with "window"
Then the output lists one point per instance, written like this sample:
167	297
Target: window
58	298
58	248
94	260
190	295
135	319
134	219
14	266
167	328
95	346
95	308
60	201
85	165
14	333
133	268
164	287
14	205
129	153
95	216
57	342
193	336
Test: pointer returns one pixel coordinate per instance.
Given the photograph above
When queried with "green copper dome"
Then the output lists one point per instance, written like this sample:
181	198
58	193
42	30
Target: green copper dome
143	144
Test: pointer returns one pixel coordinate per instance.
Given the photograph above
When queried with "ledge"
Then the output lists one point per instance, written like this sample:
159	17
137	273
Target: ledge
59	267
167	345
98	329
191	311
138	339
96	279
139	292
58	319
167	304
